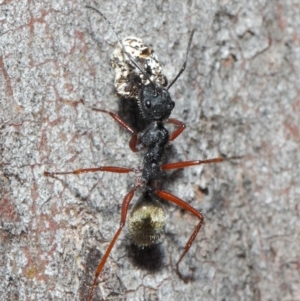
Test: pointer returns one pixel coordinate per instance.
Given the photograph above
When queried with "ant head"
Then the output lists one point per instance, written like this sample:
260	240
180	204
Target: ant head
155	102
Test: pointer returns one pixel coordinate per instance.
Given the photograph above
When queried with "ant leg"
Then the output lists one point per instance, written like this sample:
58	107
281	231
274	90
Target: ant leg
178	131
123	124
183	164
101	264
118	119
174	199
115	169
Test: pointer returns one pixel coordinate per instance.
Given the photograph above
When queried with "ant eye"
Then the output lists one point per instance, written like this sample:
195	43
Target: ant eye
148	104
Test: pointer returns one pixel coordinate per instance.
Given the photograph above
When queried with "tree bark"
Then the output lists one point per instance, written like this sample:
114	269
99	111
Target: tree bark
239	96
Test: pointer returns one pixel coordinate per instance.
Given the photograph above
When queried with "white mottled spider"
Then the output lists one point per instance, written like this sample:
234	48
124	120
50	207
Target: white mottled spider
127	74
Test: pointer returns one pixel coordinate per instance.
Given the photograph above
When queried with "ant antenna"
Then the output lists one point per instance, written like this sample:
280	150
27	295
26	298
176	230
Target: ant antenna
136	64
185	61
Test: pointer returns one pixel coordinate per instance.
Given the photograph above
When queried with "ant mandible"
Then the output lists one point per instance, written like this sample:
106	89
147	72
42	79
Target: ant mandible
147	218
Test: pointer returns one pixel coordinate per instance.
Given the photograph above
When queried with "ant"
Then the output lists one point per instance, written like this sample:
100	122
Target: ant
147	218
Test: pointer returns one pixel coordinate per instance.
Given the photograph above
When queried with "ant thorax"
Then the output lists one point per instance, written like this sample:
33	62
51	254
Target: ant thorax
128	77
154	139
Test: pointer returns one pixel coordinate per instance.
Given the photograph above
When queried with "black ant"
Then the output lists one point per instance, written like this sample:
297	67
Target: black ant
147	218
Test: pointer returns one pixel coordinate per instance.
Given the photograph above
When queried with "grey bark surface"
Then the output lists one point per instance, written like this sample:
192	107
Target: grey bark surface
239	96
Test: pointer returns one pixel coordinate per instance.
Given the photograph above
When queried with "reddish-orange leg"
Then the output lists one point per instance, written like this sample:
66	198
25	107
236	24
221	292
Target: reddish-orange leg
123	124
179	202
171	198
125	206
178	131
133	141
115	169
184	164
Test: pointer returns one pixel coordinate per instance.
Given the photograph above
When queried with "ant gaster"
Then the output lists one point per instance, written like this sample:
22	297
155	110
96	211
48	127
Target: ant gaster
147	218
